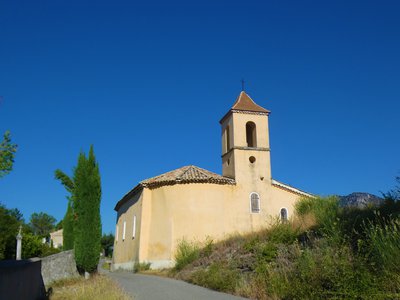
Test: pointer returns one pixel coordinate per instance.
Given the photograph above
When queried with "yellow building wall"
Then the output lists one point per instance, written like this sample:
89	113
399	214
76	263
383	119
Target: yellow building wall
235	161
198	211
195	211
126	251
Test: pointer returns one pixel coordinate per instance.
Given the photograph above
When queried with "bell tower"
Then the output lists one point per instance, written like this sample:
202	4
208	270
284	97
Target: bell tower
245	143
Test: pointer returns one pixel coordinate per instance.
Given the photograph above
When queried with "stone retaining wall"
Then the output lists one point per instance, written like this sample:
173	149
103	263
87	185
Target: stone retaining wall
59	266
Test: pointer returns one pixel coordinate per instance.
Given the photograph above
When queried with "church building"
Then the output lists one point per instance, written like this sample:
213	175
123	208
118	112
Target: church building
192	203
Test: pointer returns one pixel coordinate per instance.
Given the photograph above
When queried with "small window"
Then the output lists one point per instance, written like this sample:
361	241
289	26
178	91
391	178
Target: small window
116	233
134	227
251	136
123	231
255	202
284	215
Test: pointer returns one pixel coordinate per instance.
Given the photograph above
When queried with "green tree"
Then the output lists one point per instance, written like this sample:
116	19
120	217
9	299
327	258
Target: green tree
42	224
68	228
107	242
59	225
68	221
86	199
32	245
7	154
10	220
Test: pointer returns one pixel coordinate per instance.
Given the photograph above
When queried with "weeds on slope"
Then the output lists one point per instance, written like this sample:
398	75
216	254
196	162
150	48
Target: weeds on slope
327	252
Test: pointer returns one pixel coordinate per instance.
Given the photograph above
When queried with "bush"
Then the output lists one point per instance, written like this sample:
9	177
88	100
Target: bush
383	244
186	253
217	277
327	253
327	216
46	251
32	245
283	233
320	272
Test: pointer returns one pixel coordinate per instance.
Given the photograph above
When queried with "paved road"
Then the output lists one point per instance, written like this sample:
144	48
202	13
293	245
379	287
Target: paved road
147	287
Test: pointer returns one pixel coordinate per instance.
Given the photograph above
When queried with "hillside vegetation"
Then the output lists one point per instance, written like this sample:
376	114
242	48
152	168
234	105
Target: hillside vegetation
327	252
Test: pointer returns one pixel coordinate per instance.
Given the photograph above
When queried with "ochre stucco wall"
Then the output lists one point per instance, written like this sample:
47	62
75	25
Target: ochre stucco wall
194	212
127	250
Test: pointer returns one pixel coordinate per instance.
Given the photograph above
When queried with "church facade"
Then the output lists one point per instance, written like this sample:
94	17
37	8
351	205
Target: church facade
194	204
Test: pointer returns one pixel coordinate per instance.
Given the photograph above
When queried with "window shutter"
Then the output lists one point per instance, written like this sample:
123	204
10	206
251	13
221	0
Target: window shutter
255	203
134	227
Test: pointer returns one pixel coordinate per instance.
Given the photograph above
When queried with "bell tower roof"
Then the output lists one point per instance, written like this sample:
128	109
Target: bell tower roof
245	104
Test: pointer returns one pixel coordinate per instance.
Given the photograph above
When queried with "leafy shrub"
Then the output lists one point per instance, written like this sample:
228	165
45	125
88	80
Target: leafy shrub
325	211
356	222
282	233
321	272
217	277
46	251
383	244
32	245
186	253
139	267
106	266
327	253
208	247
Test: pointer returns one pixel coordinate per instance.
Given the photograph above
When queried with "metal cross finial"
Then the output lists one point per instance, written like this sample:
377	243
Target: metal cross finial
242	84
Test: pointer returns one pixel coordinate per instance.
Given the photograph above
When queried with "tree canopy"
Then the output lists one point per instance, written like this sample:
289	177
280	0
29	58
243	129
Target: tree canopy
68	221
42	224
7	154
86	199
107	242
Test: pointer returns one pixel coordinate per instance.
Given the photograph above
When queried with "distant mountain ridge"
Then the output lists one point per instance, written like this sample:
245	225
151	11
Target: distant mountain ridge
360	200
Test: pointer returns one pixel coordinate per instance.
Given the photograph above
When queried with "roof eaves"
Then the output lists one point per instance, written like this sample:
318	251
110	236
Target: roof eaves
291	189
128	195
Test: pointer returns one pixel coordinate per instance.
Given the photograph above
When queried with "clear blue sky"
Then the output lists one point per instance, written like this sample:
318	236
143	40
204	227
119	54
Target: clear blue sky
147	83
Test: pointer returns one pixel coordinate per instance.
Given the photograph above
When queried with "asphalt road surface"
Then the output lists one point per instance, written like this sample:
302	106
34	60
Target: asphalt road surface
147	287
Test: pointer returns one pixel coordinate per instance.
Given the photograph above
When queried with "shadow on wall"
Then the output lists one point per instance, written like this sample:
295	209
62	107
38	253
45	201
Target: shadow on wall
21	280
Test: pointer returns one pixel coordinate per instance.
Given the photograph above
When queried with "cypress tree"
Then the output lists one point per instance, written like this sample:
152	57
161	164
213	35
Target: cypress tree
68	221
86	199
68	228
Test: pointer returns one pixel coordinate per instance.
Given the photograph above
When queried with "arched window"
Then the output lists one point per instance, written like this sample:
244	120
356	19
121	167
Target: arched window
251	136
254	203
284	214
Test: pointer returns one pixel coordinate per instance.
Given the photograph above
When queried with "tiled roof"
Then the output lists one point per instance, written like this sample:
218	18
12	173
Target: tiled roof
291	189
187	174
184	175
244	102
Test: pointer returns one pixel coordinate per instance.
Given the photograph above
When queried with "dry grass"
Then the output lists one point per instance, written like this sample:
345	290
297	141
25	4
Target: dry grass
97	287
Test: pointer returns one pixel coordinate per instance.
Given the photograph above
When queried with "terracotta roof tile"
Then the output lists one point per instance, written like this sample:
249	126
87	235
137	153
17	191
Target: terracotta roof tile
184	175
244	102
187	174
